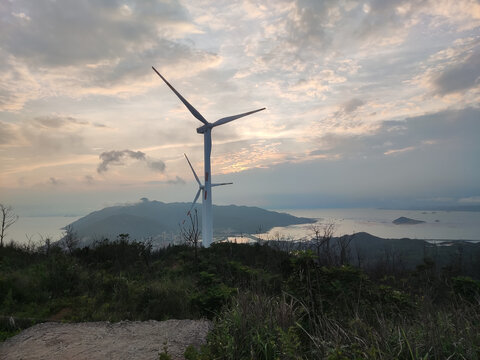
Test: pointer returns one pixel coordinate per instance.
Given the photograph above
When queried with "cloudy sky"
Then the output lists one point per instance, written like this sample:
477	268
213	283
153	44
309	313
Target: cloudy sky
369	103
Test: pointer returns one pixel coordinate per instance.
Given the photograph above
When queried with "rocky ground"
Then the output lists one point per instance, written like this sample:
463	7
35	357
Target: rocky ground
104	340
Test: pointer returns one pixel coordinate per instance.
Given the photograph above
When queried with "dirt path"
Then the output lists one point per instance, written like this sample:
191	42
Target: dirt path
103	340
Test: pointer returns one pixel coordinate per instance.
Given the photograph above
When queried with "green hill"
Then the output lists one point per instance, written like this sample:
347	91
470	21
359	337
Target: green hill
149	219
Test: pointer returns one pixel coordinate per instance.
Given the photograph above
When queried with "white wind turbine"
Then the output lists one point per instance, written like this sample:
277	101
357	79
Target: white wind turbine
206	188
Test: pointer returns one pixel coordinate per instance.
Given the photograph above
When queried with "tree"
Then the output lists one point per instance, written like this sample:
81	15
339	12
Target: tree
344	244
8	219
70	239
191	232
321	237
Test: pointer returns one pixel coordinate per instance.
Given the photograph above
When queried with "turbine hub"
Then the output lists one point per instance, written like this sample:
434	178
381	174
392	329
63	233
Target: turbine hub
203	129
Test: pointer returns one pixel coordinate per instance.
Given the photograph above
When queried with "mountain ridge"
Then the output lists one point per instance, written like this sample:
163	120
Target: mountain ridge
149	219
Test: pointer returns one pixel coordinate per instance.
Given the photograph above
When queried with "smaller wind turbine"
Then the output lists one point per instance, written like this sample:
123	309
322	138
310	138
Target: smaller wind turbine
201	187
206	130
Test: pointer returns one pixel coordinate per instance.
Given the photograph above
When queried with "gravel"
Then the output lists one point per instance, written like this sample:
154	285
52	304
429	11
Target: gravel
105	340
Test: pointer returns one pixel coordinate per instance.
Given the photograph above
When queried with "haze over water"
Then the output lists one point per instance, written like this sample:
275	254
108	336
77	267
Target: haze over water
451	225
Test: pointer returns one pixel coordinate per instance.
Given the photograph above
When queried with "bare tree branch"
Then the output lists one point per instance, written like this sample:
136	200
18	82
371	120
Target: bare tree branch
191	233
8	219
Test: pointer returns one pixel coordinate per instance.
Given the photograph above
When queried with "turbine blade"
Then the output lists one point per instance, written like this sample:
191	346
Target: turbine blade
234	117
230	183
185	102
194	173
193	204
195	200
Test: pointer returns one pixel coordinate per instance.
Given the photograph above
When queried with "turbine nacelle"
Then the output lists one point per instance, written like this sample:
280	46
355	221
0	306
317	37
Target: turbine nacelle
204	128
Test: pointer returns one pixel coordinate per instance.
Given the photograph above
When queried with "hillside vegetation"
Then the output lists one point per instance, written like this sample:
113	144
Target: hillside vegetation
266	302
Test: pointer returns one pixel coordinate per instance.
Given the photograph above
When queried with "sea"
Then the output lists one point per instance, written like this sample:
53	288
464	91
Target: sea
438	225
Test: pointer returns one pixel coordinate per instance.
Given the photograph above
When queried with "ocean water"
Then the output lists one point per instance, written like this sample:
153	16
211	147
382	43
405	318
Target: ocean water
36	229
439	225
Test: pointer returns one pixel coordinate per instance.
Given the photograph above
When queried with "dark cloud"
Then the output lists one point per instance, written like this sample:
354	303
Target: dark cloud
459	77
116	157
352	105
156	165
454	128
176	181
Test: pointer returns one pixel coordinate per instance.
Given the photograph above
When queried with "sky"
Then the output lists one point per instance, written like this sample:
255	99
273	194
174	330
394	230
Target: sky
369	103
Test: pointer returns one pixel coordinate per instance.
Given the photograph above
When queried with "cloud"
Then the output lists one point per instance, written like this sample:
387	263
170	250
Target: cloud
116	158
156	165
175	181
452	128
324	30
52	130
54	182
452	72
86	32
7	135
460	76
352	104
56	121
88	179
470	200
396	151
17	84
53	136
79	48
461	14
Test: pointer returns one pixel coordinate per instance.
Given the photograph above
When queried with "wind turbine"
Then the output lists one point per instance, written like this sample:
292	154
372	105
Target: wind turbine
206	188
201	187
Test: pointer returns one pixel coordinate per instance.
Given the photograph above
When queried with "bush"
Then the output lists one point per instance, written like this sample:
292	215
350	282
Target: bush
255	326
467	288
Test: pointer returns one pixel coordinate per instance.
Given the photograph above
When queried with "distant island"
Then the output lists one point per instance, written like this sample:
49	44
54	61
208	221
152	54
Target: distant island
155	219
407	221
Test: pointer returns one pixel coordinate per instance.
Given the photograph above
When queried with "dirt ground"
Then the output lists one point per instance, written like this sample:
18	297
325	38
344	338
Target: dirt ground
104	340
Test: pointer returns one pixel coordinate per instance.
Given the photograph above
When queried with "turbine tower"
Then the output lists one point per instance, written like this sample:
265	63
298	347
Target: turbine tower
206	130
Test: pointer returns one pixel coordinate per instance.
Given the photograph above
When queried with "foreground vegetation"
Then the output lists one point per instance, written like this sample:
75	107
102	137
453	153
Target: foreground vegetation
265	303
